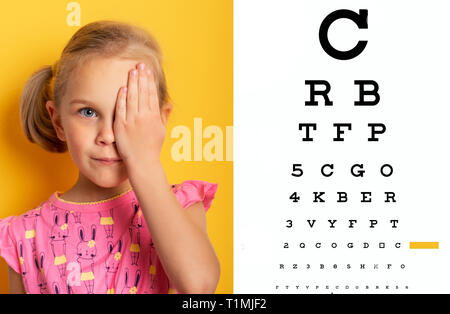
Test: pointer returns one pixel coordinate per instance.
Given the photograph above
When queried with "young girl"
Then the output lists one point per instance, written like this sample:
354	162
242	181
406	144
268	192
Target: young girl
122	228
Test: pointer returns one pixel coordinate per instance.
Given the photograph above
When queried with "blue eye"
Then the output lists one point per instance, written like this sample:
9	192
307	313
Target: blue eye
89	112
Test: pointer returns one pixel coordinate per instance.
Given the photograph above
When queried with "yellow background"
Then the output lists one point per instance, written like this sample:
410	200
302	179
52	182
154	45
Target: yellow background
196	37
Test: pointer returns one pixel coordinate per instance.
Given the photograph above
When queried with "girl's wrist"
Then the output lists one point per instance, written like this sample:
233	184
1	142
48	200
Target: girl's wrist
149	182
145	169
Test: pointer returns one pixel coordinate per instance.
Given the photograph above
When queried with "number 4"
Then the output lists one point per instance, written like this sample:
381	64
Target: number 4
294	197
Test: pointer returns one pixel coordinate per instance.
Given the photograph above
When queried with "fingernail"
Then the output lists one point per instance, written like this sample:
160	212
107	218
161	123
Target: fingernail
141	66
149	72
124	89
134	72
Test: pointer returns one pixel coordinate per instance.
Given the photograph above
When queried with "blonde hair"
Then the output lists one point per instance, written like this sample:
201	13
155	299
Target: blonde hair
97	39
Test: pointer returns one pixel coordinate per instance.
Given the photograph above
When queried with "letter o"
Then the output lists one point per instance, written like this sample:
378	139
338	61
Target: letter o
391	170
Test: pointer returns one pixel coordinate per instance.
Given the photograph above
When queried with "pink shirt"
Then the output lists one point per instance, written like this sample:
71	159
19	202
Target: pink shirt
98	247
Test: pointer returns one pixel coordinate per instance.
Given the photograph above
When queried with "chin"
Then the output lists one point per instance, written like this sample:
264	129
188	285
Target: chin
108	182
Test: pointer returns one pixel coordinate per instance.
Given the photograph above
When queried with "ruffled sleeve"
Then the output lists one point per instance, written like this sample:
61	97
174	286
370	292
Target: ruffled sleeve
192	191
8	248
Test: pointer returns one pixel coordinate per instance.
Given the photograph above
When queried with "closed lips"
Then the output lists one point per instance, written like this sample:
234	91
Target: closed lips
109	159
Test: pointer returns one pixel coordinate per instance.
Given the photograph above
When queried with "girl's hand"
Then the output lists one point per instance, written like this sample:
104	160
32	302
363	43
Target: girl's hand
138	128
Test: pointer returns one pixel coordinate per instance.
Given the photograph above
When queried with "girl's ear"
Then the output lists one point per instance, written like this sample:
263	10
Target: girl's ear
165	112
56	119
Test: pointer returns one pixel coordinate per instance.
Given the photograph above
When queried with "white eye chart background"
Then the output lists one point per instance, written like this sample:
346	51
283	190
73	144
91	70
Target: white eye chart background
277	48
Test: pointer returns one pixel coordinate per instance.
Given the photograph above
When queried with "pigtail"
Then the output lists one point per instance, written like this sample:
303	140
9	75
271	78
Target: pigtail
35	119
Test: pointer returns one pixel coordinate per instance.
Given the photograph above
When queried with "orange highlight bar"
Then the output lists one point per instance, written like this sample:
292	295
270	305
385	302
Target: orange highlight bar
423	245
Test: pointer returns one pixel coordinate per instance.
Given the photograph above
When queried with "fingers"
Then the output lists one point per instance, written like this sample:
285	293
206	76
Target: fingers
132	93
143	88
142	91
153	97
121	104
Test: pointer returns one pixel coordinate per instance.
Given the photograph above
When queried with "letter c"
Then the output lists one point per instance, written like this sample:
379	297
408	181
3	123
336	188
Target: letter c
359	19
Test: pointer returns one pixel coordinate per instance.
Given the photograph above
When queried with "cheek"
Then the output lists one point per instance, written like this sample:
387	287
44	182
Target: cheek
78	138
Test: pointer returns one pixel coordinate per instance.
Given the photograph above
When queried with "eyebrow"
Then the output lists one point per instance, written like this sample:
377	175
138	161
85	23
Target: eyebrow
81	101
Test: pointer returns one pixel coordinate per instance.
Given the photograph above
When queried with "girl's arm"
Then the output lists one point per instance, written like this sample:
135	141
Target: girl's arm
15	282
183	246
179	235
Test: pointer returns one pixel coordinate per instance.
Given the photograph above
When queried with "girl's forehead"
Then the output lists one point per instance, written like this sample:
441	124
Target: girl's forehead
106	65
99	79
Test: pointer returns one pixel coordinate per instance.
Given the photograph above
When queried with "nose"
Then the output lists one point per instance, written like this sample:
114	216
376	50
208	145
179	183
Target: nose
106	134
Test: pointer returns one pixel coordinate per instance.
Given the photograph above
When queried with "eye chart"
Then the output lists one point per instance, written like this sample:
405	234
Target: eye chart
342	146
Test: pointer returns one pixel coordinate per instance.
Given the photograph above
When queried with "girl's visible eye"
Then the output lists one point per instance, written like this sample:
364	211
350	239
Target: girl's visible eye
88	111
